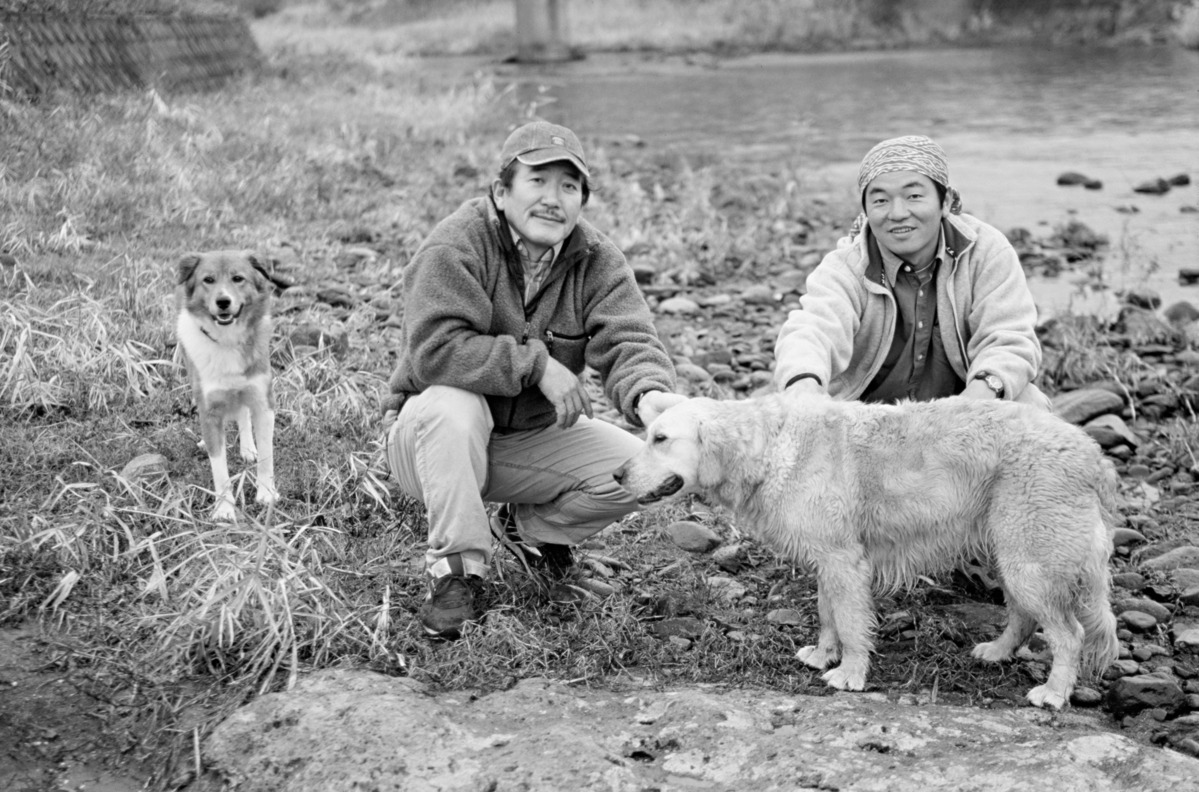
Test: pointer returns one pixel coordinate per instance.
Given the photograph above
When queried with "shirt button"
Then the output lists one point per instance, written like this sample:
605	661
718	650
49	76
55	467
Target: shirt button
907	269
920	325
920	293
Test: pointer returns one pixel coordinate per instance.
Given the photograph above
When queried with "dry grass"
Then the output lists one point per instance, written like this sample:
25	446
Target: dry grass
1078	350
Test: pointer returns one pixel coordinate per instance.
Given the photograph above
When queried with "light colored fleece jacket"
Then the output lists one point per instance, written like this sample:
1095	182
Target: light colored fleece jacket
846	320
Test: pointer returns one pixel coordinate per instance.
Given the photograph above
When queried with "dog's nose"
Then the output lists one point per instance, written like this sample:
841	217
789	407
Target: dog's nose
222	302
619	474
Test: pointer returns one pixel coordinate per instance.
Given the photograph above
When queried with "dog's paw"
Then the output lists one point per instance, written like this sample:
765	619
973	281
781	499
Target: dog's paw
991	652
267	494
843	678
224	512
815	657
1045	696
249	453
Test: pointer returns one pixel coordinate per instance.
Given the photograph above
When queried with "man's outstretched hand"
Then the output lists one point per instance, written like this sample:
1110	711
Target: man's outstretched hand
654	403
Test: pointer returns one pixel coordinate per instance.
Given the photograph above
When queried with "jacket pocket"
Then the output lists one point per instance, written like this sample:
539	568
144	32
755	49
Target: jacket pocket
569	349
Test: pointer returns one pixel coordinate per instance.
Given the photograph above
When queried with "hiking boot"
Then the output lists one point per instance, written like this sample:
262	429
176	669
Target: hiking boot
452	601
551	560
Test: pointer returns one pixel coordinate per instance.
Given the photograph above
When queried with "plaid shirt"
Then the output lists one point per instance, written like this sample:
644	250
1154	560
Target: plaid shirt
535	271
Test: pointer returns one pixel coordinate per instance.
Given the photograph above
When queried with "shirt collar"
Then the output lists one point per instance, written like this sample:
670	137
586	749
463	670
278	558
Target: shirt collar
892	262
519	241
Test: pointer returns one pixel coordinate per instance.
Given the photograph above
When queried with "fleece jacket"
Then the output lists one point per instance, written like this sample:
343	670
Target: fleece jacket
843	329
466	324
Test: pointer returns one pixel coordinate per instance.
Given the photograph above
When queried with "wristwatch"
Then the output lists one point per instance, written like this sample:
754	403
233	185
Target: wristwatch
991	381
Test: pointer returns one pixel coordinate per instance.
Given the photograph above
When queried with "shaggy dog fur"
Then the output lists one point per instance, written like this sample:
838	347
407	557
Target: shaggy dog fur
872	496
224	329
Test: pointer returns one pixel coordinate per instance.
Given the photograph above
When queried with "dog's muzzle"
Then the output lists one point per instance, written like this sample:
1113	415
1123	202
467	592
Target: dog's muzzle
223	316
664	490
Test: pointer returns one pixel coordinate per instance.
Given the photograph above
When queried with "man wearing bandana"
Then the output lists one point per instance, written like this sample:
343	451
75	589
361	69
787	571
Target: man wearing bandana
919	302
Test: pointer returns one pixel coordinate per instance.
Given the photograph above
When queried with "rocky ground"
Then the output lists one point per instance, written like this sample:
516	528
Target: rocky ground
1132	385
1136	728
353	730
1133	390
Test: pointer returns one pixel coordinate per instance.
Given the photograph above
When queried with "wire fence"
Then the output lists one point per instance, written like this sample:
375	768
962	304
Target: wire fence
45	51
100	7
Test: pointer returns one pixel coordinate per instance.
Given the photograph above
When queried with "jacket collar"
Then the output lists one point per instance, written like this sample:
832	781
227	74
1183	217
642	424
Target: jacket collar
571	247
956	237
891	262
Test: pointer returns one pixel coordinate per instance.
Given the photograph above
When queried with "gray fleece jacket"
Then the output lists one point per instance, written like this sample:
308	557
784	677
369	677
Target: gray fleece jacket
844	327
466	324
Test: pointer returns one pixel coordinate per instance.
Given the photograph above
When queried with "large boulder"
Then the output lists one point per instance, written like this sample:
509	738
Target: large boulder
348	729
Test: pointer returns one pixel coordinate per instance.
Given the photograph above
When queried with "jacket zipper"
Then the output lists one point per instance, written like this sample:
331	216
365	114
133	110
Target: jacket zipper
528	328
524	338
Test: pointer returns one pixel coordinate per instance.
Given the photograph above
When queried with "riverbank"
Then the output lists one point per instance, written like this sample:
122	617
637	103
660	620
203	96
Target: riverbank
486	27
142	617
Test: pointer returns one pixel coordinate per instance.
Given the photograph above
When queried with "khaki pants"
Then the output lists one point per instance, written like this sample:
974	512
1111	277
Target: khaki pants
442	451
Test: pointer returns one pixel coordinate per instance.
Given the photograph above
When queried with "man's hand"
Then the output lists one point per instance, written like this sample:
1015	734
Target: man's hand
977	389
654	403
565	391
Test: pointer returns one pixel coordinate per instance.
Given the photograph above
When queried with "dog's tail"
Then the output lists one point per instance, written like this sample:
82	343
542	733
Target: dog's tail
1100	645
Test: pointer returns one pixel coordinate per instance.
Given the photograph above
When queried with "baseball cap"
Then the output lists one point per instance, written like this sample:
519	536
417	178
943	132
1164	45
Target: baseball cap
540	142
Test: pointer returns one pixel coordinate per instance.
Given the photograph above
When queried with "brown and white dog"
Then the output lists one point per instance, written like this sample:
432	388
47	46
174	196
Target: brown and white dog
224	328
874	496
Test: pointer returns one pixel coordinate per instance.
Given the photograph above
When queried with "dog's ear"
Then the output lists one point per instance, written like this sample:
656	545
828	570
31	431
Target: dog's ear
260	265
709	471
258	262
186	267
709	436
734	437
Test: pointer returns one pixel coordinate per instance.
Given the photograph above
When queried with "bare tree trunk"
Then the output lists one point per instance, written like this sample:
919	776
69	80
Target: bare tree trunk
541	31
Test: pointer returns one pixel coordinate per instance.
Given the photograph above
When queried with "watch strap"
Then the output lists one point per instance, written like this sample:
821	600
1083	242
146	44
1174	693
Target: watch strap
991	381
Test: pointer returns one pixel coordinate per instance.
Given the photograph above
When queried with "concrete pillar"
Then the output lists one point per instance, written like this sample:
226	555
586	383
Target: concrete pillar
541	31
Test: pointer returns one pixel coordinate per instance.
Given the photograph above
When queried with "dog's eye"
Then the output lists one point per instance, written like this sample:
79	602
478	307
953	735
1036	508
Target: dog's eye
209	280
238	278
659	438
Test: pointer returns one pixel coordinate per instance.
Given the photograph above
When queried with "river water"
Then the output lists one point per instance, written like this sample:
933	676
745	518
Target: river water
1011	120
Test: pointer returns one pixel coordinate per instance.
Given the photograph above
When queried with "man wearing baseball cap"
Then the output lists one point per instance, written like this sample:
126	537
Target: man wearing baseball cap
505	303
920	301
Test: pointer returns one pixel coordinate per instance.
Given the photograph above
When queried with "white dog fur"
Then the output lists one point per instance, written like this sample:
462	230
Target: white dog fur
224	329
872	496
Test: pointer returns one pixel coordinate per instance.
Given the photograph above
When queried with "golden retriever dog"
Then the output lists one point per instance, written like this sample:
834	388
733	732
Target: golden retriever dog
224	329
873	496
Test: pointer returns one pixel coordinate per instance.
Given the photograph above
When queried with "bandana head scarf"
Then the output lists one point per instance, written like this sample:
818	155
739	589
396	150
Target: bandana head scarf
910	153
